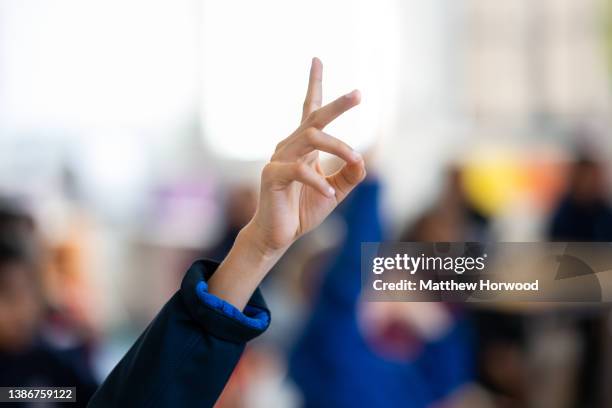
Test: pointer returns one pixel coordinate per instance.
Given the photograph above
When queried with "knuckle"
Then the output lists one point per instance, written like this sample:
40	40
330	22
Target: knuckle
280	145
301	170
311	135
268	172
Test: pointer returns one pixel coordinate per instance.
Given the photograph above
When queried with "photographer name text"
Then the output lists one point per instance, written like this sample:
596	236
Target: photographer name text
451	285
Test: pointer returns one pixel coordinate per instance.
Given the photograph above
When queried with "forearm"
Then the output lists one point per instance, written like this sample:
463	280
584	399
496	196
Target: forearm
243	269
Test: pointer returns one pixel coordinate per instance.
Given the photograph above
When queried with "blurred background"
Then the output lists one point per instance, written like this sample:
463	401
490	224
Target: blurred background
132	134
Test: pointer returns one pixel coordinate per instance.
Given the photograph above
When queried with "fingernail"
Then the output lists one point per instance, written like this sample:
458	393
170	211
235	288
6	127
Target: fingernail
356	156
331	192
354	94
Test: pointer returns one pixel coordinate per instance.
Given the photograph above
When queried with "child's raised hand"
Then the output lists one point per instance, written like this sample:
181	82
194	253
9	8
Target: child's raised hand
296	195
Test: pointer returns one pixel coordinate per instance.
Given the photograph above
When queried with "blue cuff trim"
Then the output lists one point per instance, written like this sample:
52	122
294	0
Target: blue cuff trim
253	317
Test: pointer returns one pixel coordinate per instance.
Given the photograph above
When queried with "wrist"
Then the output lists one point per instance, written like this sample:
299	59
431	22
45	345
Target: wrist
244	267
253	236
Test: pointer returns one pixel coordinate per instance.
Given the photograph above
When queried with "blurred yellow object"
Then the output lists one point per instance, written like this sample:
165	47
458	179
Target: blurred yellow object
493	179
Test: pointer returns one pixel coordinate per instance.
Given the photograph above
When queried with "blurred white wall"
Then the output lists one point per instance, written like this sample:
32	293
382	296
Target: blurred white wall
134	94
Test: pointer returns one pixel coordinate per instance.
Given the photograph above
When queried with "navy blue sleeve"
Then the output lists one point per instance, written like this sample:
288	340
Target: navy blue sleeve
187	353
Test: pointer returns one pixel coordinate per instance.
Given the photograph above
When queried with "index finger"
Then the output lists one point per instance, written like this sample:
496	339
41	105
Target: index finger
314	94
324	116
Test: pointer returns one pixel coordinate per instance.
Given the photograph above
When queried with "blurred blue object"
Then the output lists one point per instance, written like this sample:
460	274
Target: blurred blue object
334	365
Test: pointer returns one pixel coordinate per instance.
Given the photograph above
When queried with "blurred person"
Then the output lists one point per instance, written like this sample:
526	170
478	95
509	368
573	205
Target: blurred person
452	218
27	358
187	353
500	358
355	353
584	214
70	281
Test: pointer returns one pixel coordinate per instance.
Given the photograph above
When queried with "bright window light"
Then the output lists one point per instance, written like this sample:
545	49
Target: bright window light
256	56
76	65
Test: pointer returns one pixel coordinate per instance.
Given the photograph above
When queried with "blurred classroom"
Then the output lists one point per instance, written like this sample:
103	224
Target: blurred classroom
132	134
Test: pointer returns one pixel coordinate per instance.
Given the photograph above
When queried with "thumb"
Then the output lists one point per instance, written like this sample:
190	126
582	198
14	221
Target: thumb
347	178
